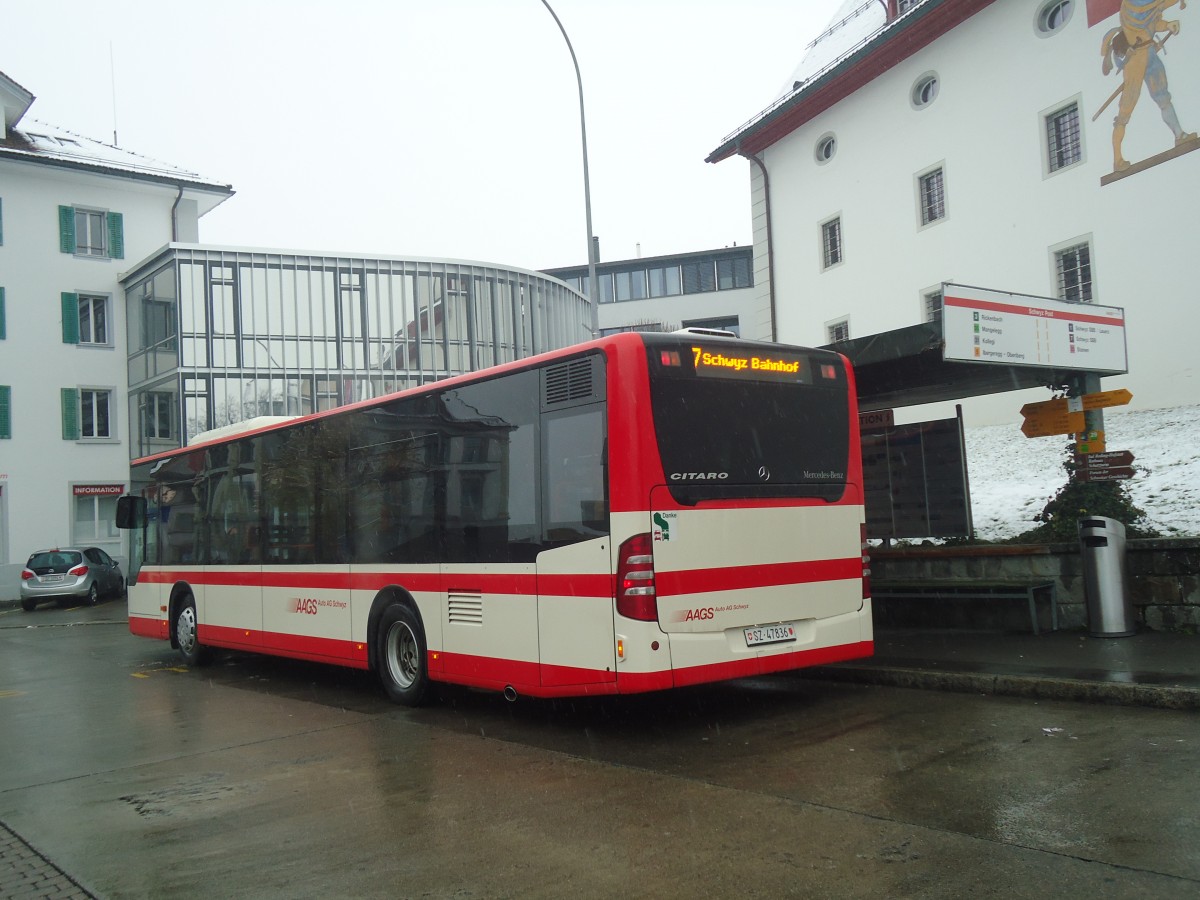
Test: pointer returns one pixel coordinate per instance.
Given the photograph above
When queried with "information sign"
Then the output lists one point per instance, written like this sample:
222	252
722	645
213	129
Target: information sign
986	326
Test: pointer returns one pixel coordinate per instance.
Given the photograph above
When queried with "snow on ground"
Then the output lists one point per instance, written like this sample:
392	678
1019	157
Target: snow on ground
1013	477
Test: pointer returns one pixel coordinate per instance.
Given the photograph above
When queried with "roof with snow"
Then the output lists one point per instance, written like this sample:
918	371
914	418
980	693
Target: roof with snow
29	140
864	39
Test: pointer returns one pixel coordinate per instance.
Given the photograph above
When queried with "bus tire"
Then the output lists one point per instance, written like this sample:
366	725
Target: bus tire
402	663
187	635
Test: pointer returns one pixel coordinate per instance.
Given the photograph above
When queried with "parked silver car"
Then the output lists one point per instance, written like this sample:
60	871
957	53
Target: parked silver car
65	573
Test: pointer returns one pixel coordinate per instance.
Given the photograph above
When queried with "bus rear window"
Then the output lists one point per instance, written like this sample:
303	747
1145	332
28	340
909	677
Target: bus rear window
742	420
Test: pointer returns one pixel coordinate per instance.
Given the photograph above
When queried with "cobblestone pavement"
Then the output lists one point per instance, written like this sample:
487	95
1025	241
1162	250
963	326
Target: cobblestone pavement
27	875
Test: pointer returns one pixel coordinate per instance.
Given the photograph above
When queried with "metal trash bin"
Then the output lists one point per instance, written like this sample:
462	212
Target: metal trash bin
1109	606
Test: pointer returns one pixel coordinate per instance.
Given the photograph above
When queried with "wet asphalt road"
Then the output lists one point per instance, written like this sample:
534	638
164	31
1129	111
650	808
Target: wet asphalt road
273	778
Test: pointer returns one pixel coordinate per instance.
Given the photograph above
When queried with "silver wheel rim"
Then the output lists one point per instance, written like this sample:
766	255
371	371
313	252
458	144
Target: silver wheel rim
401	652
185	629
93	595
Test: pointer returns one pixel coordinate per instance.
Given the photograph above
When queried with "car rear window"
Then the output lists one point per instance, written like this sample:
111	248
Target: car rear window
54	561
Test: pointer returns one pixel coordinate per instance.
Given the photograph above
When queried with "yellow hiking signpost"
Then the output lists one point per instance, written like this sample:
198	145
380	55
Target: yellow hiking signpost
1066	414
1050	417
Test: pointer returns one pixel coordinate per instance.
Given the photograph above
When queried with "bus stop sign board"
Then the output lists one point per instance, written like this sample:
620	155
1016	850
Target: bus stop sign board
986	326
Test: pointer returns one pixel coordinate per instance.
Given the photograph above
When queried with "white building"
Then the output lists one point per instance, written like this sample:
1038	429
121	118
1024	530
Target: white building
73	212
972	141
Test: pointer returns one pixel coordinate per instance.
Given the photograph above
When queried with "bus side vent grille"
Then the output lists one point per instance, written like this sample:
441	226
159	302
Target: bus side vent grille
466	609
569	381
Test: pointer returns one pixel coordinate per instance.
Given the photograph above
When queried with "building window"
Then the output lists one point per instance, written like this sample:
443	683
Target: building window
93	319
826	148
925	90
664	281
733	272
1073	269
1052	16
93	233
95	519
631	285
1064	144
86	414
85	319
158	415
831	243
838	331
94	419
931	188
903	6
699	277
932	303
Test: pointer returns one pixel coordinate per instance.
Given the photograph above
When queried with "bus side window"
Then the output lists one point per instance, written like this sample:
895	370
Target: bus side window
575	472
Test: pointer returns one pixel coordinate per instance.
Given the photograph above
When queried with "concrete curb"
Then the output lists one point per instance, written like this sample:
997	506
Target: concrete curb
1036	687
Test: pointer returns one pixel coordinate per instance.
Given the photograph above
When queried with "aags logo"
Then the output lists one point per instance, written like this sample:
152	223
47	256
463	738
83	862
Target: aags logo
705	612
306	605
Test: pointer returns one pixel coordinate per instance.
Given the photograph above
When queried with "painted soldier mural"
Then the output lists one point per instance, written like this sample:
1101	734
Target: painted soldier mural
1135	50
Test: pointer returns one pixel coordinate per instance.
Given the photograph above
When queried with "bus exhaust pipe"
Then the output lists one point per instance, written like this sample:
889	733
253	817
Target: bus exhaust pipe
510	694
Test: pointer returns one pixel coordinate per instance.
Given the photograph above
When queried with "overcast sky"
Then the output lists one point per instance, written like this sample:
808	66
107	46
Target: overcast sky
439	128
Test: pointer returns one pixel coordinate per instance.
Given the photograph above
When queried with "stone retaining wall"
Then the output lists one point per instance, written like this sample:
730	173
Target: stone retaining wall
1164	583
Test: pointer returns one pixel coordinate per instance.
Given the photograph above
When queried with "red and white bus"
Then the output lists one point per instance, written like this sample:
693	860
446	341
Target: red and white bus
632	514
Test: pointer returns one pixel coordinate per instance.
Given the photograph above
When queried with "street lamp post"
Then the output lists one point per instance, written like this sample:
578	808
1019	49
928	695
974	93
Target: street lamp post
587	190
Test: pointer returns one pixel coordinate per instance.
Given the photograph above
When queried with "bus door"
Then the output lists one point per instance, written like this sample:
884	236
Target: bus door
575	602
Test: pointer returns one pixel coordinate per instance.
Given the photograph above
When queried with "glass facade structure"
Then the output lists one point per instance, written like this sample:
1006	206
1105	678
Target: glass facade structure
665	276
217	336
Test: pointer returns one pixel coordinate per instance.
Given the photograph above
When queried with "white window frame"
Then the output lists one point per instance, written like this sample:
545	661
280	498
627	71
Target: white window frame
833	326
96	391
1045	117
150	402
925	90
826	148
1042	25
1056	254
84	236
103	522
938	290
823	249
919	185
93	300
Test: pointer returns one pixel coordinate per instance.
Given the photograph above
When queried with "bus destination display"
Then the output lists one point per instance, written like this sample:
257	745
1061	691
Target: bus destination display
744	365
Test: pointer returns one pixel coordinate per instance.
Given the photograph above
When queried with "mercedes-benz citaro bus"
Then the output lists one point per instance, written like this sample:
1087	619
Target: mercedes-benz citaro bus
636	513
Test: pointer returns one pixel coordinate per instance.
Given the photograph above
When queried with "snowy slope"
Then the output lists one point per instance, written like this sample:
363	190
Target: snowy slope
1012	476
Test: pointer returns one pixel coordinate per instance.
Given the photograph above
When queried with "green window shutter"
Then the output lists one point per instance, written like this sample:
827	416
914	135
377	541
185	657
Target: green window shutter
116	236
66	229
70	318
3	317
70	414
5	412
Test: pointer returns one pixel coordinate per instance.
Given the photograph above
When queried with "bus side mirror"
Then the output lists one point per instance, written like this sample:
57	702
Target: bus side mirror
131	511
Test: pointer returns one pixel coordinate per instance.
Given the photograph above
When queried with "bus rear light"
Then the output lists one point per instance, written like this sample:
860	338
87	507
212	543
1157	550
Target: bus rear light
636	597
866	564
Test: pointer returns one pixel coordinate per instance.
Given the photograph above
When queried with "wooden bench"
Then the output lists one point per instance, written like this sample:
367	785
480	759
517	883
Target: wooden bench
973	590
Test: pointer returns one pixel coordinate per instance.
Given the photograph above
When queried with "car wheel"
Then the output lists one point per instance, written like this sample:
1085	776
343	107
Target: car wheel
401	657
187	634
93	596
28	604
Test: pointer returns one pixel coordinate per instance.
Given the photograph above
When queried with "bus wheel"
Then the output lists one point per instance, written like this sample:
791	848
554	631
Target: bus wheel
187	635
401	655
